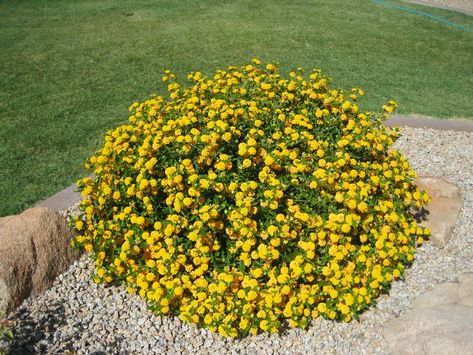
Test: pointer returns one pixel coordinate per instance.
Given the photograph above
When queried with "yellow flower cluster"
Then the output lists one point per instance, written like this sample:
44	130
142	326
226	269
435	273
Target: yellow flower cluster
246	199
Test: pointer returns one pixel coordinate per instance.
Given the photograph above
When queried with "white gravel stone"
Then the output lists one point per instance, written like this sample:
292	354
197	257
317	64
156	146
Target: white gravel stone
79	316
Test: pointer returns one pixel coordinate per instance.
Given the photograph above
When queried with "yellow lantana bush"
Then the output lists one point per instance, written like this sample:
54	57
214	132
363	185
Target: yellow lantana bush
247	199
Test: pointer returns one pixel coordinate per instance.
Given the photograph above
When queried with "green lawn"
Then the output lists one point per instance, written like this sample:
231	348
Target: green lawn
69	69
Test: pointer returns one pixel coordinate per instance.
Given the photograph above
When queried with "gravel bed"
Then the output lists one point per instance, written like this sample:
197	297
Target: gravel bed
78	316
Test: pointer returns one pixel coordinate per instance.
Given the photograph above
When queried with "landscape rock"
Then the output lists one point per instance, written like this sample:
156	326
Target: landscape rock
440	321
17	259
34	249
443	211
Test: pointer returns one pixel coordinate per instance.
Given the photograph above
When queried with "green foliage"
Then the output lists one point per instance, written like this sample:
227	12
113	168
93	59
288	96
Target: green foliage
6	334
248	198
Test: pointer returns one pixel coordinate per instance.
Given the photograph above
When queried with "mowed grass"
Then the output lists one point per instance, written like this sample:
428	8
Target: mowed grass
69	69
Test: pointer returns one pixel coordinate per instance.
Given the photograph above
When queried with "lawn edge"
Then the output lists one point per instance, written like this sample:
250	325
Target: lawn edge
440	6
418	121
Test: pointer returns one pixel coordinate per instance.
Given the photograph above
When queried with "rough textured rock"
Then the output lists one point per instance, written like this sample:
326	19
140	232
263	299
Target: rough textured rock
17	259
444	209
34	249
440	321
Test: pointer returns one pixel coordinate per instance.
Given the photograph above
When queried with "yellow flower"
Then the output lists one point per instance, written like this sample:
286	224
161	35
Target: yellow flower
246	163
345	228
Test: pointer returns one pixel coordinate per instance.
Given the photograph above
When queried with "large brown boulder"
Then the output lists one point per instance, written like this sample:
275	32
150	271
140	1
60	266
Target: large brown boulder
35	247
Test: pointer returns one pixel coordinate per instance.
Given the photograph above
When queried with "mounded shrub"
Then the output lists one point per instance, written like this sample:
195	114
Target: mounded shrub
246	199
